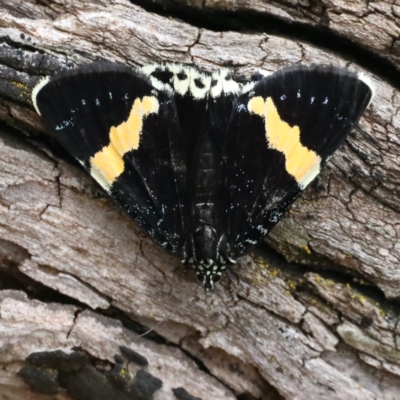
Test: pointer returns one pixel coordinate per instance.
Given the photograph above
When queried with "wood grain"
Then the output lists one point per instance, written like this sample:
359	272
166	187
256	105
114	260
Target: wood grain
326	317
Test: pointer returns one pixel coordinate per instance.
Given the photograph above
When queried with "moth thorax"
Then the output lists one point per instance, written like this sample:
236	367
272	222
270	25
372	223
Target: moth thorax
205	244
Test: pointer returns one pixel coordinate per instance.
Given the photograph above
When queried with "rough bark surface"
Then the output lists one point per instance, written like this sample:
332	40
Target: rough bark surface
374	25
328	329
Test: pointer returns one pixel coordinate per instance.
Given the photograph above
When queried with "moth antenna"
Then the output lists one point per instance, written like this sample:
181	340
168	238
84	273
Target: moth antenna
235	319
175	310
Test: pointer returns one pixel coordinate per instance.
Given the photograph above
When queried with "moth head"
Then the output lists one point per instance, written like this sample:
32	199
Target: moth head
208	278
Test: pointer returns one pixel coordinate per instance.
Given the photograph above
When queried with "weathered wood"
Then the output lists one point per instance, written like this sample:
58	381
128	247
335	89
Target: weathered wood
29	326
322	336
372	25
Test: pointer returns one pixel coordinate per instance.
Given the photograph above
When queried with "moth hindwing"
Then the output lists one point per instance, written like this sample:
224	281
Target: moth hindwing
204	164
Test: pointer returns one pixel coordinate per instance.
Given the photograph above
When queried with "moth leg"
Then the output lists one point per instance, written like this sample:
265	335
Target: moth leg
232	276
233	286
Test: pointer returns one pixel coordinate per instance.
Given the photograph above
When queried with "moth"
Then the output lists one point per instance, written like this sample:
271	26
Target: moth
204	163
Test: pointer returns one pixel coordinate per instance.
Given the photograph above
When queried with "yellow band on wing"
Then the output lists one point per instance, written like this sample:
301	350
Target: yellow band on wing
303	164
107	164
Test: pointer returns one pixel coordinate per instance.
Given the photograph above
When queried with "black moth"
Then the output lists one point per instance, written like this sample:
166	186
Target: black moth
204	164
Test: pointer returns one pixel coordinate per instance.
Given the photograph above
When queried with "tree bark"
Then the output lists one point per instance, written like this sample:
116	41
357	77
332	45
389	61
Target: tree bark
76	271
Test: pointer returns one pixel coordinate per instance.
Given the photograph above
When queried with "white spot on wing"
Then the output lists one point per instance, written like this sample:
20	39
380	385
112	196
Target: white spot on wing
264	73
216	90
309	176
368	81
247	87
149	69
230	86
39	86
181	86
224	85
261	229
241	107
199	93
98	175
